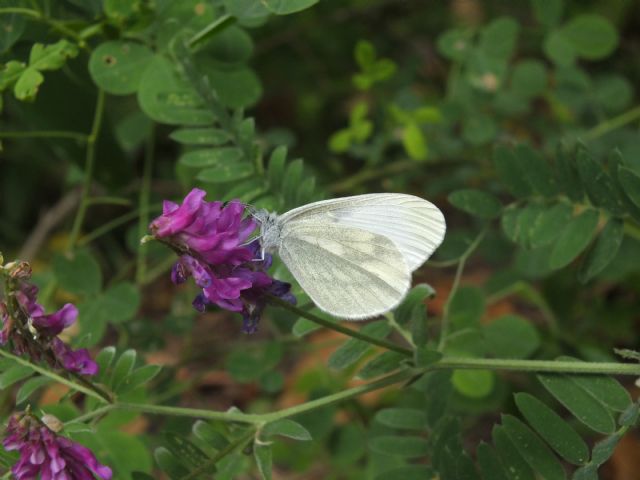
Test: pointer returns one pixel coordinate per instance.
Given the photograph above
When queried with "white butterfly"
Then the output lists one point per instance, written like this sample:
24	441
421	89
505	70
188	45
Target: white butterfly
354	256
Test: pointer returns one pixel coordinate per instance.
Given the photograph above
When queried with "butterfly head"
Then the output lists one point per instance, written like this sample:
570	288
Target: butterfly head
269	229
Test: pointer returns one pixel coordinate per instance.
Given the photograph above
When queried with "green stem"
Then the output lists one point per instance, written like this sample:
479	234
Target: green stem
454	288
347	394
143	202
125	202
613	123
80	137
53	376
88	175
36	15
545	366
163	267
112	224
189	412
339	328
632	230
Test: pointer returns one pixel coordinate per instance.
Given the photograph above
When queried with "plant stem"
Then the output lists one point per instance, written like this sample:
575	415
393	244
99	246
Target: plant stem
454	288
613	123
189	412
339	328
35	14
124	202
80	137
143	206
88	174
53	376
110	225
546	366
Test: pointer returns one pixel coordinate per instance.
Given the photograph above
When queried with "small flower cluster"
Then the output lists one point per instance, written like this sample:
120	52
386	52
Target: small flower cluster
30	331
212	240
45	454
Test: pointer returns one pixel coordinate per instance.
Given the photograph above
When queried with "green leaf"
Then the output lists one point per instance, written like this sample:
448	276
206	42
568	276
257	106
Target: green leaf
509	171
455	44
119	10
14	374
246	190
353	349
549	224
117	66
498	39
489	462
123	368
123	452
533	450
211	157
548	12
238	88
209	435
476	202
264	460
51	57
402	418
412	312
604	250
27	85
579	402
599	185
382	364
79	274
511	336
603	388
473	383
466	307
105	358
29	387
630	182
512	460
169	463
11	28
559	49
167	98
200	136
478	128
121	302
567	177
10	72
292	178
285	7
286	428
575	237
537	171
529	78
139	377
226	173
414	142
405	446
189	454
275	168
553	429
592	36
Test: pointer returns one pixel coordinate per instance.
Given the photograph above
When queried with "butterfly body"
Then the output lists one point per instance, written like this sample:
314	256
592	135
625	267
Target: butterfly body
354	255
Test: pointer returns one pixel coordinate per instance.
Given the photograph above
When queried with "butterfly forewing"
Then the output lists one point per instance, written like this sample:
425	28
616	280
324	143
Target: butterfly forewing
413	224
348	272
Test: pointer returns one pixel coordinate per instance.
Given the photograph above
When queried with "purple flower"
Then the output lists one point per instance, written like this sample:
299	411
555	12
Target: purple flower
46	455
38	337
212	238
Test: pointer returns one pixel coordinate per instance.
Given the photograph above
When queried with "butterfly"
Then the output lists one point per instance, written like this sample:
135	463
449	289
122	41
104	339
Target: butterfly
354	256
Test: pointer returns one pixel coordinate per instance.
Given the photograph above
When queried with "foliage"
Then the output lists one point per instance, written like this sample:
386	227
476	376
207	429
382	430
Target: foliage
518	122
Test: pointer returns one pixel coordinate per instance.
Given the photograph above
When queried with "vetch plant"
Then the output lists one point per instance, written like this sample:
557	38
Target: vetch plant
512	352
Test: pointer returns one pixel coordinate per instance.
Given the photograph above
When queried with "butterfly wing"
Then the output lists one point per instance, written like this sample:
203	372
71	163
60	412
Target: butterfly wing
414	225
348	272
